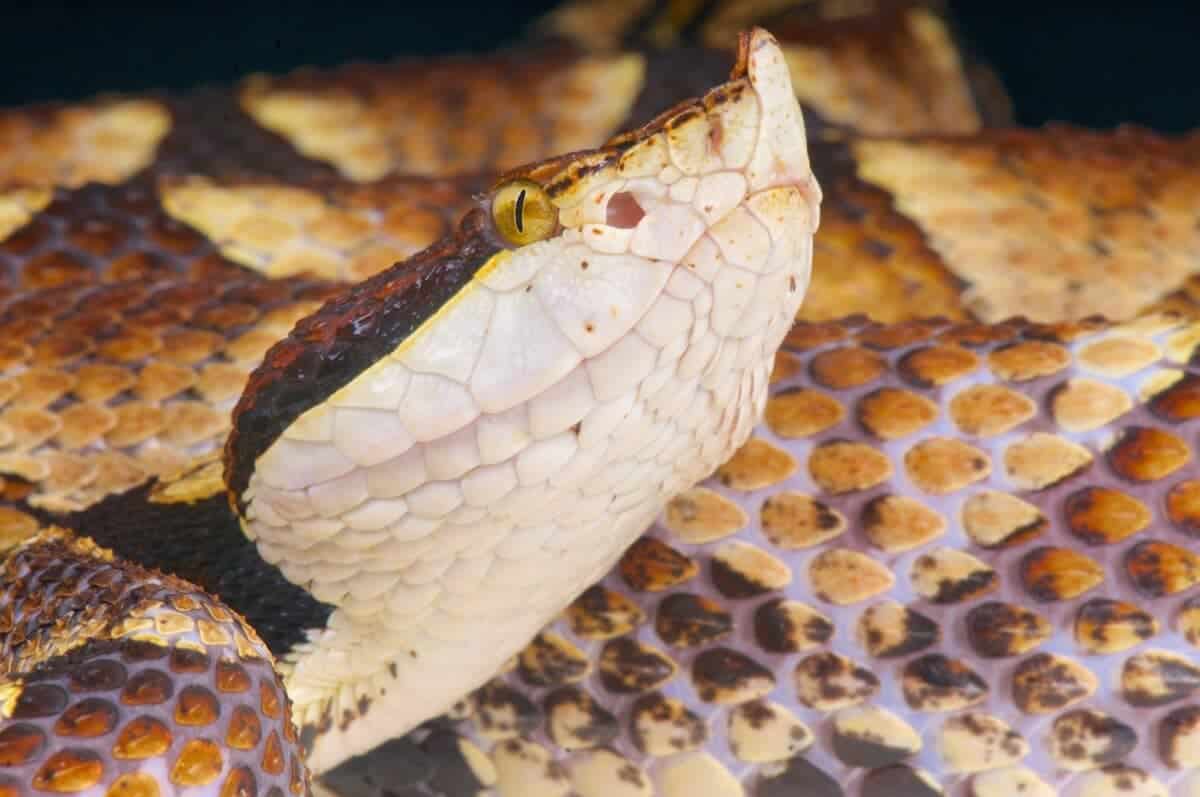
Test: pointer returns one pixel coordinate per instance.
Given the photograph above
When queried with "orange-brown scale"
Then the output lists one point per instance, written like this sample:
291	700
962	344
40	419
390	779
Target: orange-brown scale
114	673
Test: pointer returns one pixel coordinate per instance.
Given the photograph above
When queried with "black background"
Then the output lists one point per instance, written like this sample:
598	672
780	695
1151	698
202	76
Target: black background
1091	64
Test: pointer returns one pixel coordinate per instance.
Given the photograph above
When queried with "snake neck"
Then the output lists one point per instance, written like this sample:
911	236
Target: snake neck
373	675
202	542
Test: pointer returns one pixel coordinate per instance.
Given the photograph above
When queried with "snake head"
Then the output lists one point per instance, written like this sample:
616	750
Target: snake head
453	449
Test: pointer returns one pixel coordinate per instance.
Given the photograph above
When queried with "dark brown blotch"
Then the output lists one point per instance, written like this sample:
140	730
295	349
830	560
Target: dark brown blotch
997	630
98	675
1102	516
739	570
502	711
786	626
828	681
1104	625
148	688
20	743
797	777
947	576
725	676
935	682
1046	682
1146	454
899	780
575	721
1086	739
550	660
627	667
188	660
1159	568
651	565
891	630
39	700
1158	677
87	719
1051	574
869	737
1183	507
1179	738
601	613
662	726
1180	402
686	620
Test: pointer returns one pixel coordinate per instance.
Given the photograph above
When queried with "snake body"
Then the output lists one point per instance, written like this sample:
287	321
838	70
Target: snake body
271	502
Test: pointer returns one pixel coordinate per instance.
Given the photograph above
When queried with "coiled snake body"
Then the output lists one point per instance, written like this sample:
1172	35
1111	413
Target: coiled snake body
273	505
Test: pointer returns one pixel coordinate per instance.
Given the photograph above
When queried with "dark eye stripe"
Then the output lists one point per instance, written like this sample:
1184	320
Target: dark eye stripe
520	211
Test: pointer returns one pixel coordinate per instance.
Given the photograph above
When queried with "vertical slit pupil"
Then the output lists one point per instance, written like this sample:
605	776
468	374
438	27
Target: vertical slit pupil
520	211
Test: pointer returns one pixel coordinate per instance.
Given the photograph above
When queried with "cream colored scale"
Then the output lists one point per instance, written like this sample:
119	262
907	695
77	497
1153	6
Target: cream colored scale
453	498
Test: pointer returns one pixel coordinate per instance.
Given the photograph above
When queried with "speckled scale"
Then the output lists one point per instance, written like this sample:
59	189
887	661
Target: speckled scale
1004	616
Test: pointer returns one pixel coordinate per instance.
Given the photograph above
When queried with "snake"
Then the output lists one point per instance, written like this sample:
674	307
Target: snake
691	400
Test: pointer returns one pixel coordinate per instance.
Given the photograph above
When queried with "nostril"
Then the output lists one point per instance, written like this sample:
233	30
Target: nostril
716	133
624	211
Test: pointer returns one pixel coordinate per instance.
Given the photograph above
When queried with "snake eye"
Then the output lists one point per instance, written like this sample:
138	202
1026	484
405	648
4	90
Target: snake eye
523	212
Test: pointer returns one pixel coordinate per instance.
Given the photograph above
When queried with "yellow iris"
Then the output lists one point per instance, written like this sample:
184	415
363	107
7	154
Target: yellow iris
523	212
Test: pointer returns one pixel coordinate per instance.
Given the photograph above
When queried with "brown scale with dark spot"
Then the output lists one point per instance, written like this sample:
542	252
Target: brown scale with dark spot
550	660
934	682
793	520
995	520
889	630
654	566
1179	737
1158	569
576	721
785	626
502	712
627	666
1087	739
660	726
1045	682
948	576
1052	574
1158	677
1103	625
1146	453
1102	516
685	620
740	570
1183	507
724	676
829	681
601	613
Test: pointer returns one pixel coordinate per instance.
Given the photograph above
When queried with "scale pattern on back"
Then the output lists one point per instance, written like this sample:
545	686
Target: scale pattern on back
927	512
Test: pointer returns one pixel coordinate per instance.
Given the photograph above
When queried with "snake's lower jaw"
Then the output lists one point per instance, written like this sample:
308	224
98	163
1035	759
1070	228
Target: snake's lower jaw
457	493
